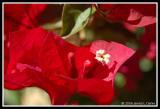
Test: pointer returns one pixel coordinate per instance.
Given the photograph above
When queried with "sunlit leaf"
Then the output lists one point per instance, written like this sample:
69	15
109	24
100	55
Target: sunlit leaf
75	18
82	20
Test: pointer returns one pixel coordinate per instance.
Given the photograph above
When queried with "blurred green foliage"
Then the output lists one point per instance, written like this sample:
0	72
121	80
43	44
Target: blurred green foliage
11	97
120	80
146	64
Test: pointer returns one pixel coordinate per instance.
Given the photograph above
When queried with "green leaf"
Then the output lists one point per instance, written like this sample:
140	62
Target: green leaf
75	18
145	64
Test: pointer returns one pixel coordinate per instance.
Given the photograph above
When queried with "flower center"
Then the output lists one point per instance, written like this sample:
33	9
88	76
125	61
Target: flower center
102	56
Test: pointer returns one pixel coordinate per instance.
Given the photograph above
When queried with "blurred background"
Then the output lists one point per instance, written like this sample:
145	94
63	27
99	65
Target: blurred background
136	79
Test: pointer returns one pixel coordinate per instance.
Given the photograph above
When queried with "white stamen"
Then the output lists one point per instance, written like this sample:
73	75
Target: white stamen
102	56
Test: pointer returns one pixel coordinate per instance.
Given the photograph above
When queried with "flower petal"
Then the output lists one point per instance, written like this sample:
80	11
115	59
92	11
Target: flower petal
36	59
21	51
60	89
98	90
132	15
22	16
34	11
87	66
84	61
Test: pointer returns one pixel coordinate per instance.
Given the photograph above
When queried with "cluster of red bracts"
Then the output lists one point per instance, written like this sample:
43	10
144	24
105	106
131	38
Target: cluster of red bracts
133	16
130	15
36	57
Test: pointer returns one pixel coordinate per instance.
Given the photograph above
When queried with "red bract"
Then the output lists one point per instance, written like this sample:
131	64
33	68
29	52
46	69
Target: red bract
131	15
17	17
43	59
21	16
106	7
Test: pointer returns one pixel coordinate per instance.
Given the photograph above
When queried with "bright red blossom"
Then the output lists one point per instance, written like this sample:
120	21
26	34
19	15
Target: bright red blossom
22	16
43	59
131	15
19	17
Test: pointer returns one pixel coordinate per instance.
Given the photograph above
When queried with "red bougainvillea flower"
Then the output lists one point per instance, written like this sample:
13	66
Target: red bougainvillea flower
43	59
131	15
18	17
